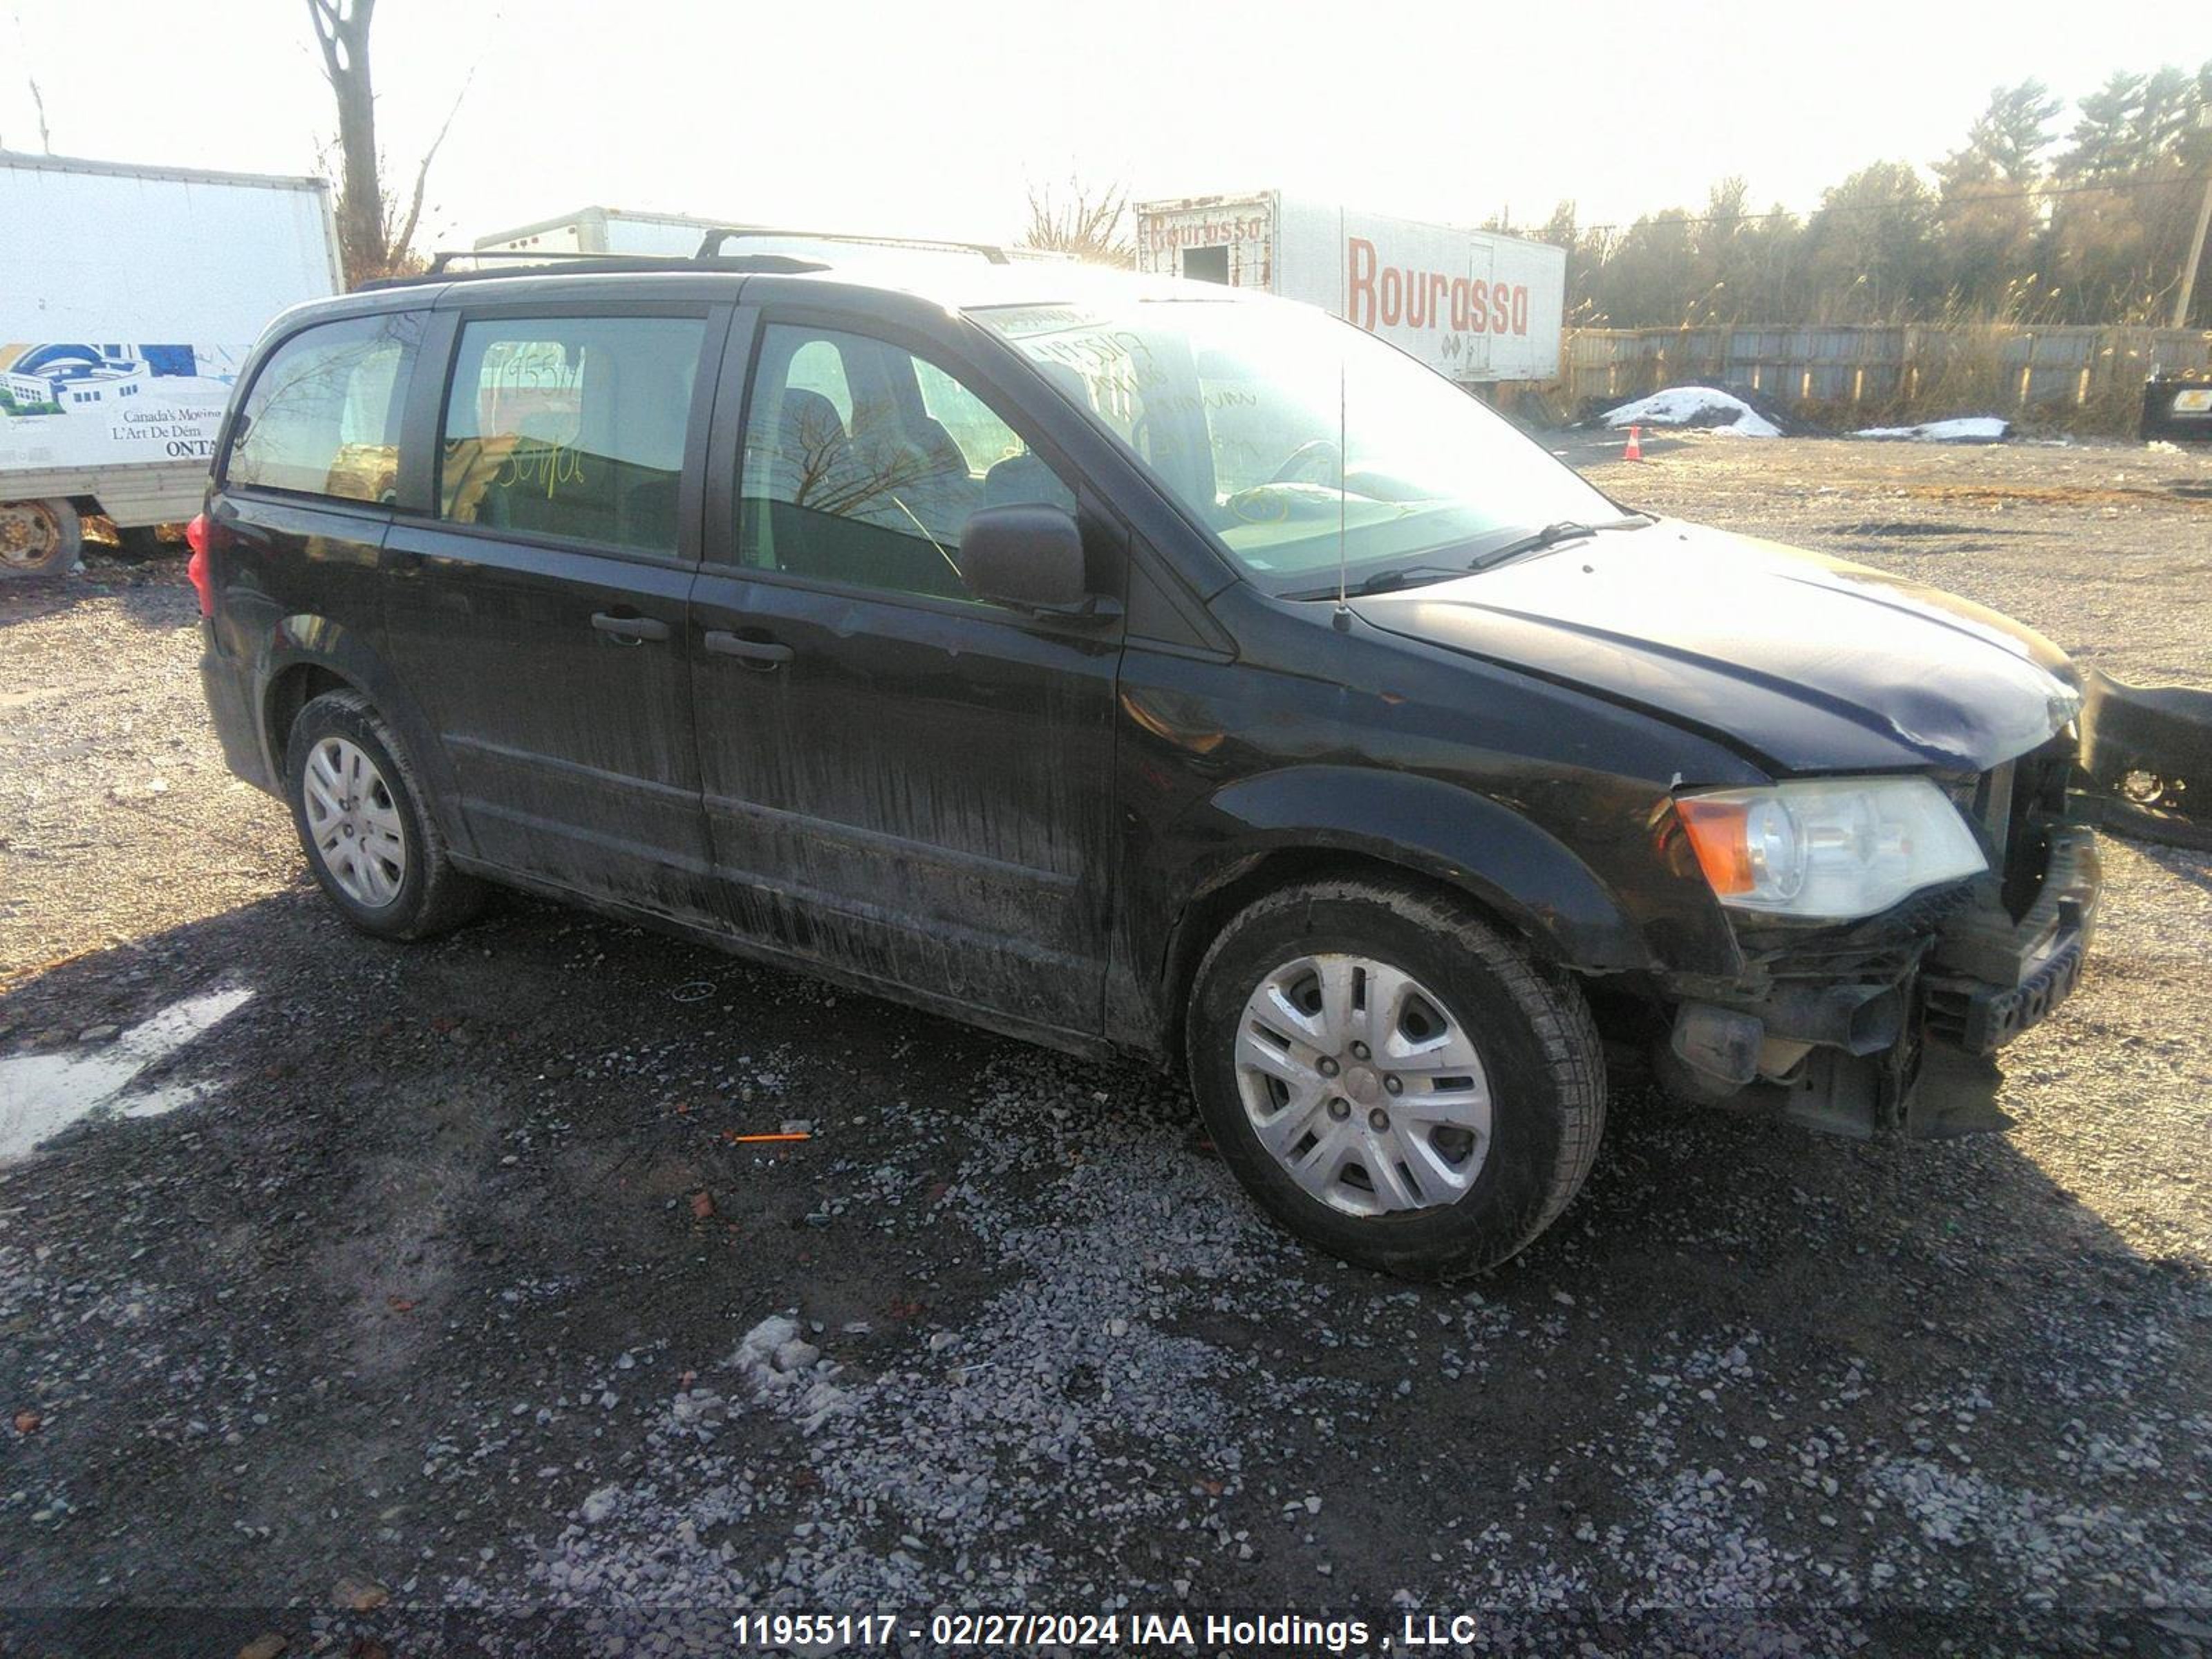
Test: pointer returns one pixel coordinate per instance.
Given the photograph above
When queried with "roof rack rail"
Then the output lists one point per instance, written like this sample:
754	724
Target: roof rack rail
710	246
441	263
574	263
710	257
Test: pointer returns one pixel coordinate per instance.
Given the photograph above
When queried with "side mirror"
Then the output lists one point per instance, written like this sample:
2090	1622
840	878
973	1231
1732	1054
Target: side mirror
1029	557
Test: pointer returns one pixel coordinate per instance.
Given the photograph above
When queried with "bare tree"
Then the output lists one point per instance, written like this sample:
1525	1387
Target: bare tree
374	238
1088	224
38	98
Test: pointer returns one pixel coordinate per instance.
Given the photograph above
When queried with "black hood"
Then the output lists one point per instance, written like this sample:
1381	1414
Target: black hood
1811	664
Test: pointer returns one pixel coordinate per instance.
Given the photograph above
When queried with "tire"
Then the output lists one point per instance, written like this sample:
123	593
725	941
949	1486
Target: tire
386	866
39	538
143	542
1473	1018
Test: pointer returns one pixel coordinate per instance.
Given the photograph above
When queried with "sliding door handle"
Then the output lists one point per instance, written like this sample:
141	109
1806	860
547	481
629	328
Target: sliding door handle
763	653
628	628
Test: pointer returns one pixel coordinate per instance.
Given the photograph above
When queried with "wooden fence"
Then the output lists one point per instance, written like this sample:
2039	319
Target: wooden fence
2088	377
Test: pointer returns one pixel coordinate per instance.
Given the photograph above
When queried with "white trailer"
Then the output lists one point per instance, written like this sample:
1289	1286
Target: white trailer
1475	306
129	297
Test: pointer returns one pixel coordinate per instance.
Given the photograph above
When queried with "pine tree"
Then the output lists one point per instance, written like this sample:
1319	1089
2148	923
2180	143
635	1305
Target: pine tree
2105	136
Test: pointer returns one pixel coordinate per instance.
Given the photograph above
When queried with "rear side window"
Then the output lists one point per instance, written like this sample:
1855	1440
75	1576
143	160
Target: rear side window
572	427
322	417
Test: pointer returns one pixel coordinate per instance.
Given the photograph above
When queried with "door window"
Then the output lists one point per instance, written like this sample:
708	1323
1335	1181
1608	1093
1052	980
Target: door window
322	417
572	427
875	491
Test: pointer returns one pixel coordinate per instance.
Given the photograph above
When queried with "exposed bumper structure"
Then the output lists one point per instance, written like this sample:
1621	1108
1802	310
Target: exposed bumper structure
1893	1024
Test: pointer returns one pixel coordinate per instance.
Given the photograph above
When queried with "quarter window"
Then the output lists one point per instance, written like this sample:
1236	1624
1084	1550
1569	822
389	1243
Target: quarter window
571	427
323	416
874	490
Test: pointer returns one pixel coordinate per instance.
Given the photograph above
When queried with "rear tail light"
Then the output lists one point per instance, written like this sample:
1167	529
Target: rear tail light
195	538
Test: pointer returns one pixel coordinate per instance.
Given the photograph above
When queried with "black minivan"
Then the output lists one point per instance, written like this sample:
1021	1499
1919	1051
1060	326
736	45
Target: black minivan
1143	669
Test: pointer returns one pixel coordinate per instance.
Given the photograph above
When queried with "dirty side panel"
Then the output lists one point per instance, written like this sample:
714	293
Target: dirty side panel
914	794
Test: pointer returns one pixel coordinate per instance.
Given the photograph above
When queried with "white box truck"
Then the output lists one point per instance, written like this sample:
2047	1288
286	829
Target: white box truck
1476	306
129	296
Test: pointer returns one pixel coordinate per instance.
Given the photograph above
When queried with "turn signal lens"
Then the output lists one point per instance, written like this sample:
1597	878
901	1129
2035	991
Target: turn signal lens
1716	835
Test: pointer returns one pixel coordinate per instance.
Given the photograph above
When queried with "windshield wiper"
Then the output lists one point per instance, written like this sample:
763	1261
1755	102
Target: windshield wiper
1406	575
1388	581
1566	529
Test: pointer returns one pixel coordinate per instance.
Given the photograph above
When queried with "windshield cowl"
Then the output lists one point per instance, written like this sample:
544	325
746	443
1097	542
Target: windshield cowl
1514	545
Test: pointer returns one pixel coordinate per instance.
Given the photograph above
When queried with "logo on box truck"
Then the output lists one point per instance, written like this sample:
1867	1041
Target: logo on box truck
1395	294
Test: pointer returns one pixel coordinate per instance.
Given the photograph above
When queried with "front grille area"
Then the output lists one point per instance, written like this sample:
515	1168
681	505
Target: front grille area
1876	949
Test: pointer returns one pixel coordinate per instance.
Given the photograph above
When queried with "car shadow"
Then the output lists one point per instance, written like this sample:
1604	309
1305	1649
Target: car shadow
416	1194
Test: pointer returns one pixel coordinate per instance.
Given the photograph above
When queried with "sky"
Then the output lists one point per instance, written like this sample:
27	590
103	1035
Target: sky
938	118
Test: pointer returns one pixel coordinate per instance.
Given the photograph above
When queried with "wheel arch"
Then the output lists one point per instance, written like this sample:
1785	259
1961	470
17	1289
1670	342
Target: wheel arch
313	655
1319	823
291	690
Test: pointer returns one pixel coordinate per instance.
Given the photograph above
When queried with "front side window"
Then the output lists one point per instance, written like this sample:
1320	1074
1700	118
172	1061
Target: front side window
571	426
1290	436
322	417
874	490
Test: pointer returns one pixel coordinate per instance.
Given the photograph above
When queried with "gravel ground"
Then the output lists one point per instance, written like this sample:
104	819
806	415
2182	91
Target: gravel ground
424	1289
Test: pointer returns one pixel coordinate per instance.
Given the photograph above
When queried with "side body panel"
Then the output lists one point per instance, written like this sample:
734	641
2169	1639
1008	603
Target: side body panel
915	788
553	671
298	588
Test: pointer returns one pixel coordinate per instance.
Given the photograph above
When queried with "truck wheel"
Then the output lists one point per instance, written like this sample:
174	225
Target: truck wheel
39	538
363	823
1392	1079
140	543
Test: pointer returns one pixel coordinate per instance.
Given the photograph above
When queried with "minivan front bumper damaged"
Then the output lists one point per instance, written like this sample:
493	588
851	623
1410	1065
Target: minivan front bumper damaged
1894	1025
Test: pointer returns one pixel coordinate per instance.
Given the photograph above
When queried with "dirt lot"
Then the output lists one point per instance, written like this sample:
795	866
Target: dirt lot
427	1272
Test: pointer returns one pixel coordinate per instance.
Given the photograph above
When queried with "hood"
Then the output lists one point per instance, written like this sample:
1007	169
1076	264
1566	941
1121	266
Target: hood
1811	664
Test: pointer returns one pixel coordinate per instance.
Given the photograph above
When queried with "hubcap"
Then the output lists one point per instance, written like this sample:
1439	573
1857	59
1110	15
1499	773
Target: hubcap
1363	1084
353	822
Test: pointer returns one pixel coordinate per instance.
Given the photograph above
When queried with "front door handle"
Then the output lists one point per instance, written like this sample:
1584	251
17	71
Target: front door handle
628	628
766	653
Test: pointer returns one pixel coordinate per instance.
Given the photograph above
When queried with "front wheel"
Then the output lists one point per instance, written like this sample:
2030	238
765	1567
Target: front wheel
1393	1079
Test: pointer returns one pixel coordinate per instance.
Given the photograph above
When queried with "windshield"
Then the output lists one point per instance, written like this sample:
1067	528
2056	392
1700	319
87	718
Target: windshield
1277	427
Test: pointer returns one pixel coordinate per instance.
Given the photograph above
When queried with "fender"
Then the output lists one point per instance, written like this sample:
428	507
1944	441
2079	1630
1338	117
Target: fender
1507	863
307	639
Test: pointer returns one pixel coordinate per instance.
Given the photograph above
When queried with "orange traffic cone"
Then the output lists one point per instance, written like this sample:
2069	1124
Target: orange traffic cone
1634	451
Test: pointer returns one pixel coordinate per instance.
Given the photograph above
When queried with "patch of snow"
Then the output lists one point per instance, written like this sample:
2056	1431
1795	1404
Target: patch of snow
1967	429
41	1095
1694	405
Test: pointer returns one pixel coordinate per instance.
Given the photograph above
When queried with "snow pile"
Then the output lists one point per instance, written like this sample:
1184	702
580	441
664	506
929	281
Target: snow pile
1968	430
1694	405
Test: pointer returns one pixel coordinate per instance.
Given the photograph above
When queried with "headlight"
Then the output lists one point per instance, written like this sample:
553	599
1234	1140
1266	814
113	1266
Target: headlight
1831	848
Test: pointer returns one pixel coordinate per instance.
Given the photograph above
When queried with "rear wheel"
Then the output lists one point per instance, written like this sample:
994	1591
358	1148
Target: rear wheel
365	826
140	543
39	538
1392	1079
